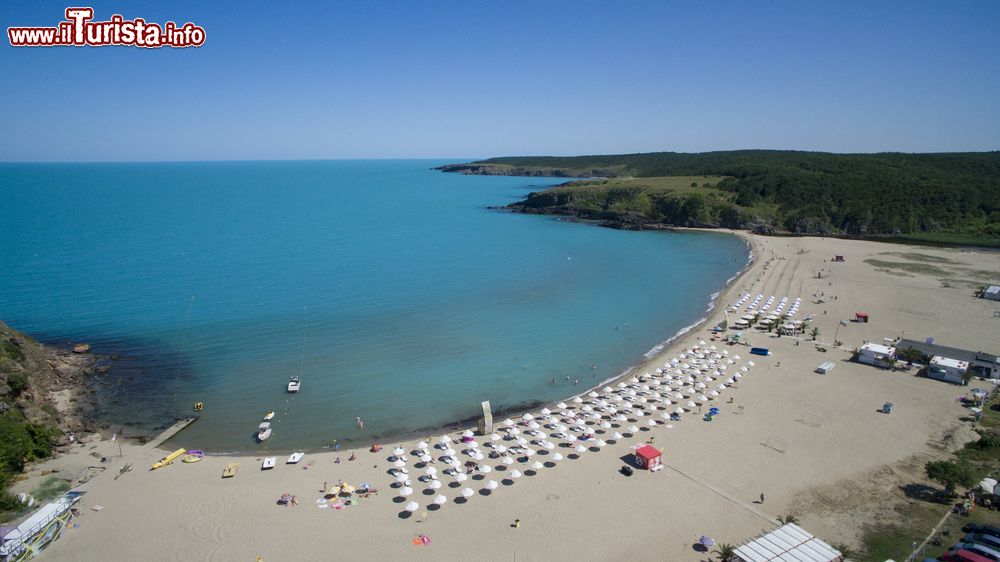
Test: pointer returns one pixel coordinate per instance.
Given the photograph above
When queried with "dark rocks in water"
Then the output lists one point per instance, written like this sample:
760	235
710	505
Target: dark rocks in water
102	369
114	356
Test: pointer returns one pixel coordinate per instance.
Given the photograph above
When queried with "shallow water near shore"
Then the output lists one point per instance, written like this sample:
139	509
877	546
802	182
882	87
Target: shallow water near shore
387	286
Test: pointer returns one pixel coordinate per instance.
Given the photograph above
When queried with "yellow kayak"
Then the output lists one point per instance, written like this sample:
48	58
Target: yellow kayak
168	459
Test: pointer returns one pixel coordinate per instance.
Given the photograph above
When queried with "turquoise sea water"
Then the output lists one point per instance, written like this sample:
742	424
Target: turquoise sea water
388	286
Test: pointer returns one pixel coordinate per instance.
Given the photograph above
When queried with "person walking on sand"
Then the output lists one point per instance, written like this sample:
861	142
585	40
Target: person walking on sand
762	498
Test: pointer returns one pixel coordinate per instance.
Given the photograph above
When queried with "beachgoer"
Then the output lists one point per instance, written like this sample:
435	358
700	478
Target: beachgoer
295	501
357	420
324	487
577	381
337	461
352	457
517	523
762	498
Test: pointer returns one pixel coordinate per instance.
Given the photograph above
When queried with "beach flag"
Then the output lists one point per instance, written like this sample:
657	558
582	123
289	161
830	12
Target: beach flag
114	437
843	322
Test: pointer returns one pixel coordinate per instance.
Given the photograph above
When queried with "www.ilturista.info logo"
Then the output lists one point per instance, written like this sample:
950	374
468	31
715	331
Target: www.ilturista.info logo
79	30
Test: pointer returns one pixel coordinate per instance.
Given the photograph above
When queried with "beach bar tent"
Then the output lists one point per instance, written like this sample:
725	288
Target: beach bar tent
861	317
947	370
648	457
789	542
37	531
875	354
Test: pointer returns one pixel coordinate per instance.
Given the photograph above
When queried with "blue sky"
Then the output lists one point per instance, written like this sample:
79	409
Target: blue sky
287	80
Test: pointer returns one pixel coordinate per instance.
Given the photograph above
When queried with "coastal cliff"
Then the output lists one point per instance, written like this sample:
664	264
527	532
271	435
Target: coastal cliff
40	402
939	198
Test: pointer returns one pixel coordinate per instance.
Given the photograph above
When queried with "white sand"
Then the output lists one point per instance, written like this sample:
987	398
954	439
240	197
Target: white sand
814	444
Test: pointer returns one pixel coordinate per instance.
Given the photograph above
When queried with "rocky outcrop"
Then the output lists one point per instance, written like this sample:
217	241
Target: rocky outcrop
43	384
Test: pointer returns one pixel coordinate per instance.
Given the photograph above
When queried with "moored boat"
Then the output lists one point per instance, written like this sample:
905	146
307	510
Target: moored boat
293	384
263	431
269	415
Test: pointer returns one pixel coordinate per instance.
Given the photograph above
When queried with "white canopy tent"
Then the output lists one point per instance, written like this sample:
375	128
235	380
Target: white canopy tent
789	542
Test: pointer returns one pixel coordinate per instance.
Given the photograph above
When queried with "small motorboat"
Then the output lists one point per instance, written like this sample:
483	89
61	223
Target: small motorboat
268	463
263	431
230	470
193	456
269	415
293	384
294	458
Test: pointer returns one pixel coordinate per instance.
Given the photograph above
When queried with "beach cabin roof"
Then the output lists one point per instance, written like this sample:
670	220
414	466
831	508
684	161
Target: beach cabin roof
878	349
950	363
789	542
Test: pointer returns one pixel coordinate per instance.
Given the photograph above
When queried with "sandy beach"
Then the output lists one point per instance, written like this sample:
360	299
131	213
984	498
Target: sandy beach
815	445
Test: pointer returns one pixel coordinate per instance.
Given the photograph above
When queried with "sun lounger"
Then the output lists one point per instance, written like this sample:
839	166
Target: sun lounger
230	470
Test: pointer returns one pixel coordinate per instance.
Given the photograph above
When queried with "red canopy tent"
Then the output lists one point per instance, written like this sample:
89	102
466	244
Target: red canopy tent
861	316
648	457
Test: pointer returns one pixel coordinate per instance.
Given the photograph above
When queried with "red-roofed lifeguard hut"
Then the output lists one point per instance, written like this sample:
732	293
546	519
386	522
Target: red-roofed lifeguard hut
648	457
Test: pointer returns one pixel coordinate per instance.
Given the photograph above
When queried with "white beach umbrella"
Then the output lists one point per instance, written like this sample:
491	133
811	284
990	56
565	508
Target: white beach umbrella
556	457
527	417
444	440
515	474
478	456
561	405
440	500
600	443
545	411
491	484
702	398
431	470
577	400
501	449
485	468
606	424
426	458
398	451
495	437
690	404
461	477
399	463
714	394
434	484
507	461
665	415
529	451
537	465
651	423
608	389
751	363
592	394
467	433
411	506
533	425
405	491
468	493
422	445
581	449
508	422
633	428
401	478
